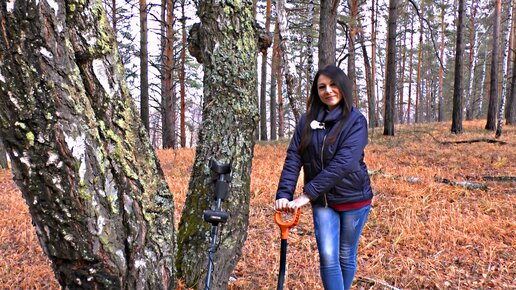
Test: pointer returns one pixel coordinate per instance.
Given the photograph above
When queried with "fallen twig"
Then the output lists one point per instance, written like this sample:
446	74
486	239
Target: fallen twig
409	179
376	281
466	184
468	141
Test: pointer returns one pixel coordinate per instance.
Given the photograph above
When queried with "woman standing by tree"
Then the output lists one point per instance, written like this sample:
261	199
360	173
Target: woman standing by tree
329	144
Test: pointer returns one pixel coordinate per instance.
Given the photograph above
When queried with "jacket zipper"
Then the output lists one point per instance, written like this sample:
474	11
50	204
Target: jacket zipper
322	164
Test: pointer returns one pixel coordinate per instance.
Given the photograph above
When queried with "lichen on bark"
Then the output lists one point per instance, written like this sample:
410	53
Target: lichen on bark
83	161
228	49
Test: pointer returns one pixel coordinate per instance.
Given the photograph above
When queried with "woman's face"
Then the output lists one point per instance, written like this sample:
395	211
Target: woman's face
329	93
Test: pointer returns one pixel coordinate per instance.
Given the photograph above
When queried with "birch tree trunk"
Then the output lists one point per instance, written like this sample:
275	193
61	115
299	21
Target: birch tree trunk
295	103
510	108
80	155
226	37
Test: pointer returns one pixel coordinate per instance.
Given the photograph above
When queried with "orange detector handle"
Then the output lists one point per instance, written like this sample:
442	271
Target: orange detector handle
286	225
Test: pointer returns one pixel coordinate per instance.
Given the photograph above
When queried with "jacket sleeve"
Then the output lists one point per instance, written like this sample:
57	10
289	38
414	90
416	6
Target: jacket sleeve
292	166
346	159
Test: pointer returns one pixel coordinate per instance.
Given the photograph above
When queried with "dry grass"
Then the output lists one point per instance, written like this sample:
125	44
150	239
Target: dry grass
421	234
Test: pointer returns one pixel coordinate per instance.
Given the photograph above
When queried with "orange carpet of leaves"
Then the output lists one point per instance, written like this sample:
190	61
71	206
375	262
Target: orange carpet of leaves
421	234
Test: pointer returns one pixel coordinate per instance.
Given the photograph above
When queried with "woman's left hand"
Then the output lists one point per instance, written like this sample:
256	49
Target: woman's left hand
299	202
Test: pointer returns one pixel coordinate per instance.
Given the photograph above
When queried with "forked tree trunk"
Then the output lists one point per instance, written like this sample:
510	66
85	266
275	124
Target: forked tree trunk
230	115
80	155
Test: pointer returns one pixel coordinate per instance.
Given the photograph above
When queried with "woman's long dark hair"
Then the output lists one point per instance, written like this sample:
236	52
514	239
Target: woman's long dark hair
314	104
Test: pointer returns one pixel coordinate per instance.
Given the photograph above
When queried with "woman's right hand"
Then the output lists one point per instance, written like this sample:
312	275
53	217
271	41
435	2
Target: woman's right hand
282	205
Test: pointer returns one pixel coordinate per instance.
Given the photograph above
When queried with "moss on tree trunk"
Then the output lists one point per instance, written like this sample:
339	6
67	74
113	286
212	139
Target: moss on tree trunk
82	159
228	48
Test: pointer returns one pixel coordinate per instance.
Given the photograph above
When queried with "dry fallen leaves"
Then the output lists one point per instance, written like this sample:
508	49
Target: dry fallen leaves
421	234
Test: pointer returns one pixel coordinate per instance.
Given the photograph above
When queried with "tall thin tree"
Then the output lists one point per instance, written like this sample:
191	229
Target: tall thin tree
456	127
510	107
390	70
495	65
328	32
144	66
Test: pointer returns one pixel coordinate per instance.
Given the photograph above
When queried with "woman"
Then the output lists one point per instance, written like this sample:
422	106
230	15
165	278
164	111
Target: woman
329	144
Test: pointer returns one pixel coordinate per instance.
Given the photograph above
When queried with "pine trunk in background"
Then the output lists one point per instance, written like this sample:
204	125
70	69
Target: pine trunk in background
441	68
419	82
328	32
470	100
401	80
458	91
371	97
281	109
182	77
230	115
373	119
169	95
390	70
80	154
352	37
510	107
411	64
493	87
144	67
3	154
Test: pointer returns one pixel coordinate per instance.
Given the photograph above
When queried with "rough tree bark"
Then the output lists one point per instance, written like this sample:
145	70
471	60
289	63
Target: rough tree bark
168	93
328	32
495	56
80	155
390	70
227	47
144	66
456	127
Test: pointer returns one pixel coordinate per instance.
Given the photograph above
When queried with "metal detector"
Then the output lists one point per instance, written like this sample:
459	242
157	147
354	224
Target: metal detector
221	176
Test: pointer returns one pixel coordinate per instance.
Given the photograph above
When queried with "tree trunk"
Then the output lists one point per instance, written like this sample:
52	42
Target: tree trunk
493	90
182	78
3	155
390	70
457	86
371	97
373	119
470	101
411	64
419	82
510	108
275	63
281	109
327	32
263	82
168	97
144	67
230	116
295	103
80	154
351	59
402	73
441	68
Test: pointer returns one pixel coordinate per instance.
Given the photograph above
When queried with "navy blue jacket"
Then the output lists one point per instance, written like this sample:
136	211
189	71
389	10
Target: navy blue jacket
333	173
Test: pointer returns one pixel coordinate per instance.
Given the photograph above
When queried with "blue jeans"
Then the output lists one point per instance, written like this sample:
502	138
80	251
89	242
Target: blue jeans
337	234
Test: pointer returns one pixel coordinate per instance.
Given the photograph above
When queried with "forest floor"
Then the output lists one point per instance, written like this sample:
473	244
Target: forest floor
443	216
